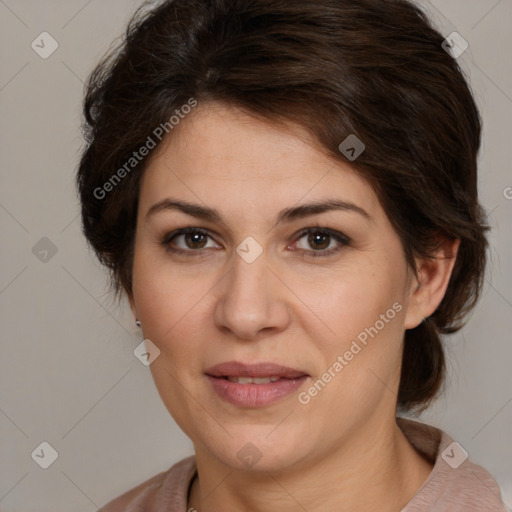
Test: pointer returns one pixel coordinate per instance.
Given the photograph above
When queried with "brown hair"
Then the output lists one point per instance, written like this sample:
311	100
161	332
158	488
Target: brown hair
374	68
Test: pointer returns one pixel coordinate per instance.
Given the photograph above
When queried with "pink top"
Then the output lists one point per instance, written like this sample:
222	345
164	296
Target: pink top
454	485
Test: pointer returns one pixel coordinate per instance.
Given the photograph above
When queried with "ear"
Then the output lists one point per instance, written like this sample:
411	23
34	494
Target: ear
428	289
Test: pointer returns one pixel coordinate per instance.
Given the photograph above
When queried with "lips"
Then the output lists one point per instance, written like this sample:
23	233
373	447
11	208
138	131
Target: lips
254	385
258	370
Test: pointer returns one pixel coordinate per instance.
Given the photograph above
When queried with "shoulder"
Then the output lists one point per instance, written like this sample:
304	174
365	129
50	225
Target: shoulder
455	483
166	489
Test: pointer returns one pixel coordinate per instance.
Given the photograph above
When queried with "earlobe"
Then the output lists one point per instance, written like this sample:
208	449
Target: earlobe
429	288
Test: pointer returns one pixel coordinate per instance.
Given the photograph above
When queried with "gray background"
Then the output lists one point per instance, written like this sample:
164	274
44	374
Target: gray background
68	375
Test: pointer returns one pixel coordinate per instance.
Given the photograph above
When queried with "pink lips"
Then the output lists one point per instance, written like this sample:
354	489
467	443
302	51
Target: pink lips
250	394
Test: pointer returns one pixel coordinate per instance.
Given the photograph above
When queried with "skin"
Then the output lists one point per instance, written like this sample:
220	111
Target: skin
343	450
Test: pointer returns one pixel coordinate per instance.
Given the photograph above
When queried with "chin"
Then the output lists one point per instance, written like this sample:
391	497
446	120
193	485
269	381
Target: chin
261	449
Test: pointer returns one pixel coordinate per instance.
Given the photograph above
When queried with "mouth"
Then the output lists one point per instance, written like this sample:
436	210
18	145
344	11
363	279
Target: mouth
253	380
257	371
254	385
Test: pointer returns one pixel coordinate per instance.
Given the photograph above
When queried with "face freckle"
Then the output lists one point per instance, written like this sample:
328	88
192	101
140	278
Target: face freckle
232	177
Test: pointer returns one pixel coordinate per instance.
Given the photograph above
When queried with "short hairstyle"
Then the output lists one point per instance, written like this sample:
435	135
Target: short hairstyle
371	68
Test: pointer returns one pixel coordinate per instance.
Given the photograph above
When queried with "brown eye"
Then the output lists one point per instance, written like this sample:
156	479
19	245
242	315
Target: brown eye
186	240
319	240
194	240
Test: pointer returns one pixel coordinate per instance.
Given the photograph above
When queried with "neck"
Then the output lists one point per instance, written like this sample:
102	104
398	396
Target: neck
334	481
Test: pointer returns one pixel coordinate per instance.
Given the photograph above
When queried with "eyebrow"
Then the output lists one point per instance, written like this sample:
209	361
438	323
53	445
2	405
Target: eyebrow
286	215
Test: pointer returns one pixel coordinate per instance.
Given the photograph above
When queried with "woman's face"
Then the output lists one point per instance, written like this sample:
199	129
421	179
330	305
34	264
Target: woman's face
251	287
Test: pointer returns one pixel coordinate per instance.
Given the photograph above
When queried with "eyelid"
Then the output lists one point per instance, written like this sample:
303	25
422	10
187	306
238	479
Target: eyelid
319	229
340	237
169	237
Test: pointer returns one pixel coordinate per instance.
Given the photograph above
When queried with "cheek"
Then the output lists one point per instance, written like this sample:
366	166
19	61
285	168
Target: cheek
361	309
165	297
174	307
169	306
353	298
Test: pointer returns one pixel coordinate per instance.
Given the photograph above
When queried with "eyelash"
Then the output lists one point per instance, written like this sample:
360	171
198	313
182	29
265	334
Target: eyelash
339	237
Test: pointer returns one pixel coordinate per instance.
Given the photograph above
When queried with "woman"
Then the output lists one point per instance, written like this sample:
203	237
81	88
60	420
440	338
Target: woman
287	194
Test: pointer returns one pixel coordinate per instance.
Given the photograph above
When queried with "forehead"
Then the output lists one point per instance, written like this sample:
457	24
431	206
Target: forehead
228	159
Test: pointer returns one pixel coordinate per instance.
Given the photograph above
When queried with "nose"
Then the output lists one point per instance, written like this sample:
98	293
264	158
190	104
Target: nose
252	300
